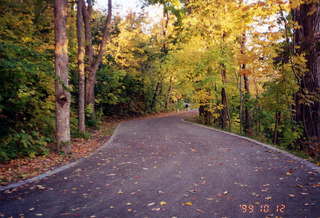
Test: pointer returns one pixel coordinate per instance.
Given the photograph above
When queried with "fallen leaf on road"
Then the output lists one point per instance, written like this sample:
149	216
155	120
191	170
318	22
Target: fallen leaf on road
188	203
151	204
316	185
200	211
40	187
162	203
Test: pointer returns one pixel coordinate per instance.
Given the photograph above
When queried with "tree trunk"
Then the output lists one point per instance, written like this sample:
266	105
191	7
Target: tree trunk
155	95
247	115
93	65
241	104
225	116
307	41
81	67
168	94
63	97
276	127
247	125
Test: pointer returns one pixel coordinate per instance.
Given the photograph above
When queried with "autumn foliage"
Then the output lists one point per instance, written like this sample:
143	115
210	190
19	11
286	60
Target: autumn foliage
249	67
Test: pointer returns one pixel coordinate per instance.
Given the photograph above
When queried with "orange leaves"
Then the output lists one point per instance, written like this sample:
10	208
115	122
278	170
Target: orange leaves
245	72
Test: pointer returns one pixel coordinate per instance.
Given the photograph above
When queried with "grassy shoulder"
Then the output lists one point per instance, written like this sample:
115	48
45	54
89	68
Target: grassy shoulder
194	119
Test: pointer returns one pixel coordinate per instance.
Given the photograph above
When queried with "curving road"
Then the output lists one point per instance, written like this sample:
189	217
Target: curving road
164	167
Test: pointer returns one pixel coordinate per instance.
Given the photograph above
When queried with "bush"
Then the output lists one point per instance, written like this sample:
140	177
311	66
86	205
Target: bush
19	144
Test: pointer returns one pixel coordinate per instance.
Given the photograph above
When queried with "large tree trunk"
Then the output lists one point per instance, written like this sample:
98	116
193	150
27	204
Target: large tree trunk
81	67
277	120
93	65
63	97
307	41
246	121
247	115
168	97
155	96
241	105
225	115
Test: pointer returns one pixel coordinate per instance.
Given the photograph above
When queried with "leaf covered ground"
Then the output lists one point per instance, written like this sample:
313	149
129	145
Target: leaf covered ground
24	168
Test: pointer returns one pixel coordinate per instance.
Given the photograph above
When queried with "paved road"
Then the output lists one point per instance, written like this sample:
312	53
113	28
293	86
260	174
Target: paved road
163	167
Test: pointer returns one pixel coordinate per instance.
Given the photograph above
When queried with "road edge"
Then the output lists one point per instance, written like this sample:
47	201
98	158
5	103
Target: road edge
62	168
301	160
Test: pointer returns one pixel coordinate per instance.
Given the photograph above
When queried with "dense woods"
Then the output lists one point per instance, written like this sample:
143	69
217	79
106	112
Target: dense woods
250	67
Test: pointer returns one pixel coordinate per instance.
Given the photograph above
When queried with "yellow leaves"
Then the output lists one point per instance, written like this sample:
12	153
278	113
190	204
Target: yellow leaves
163	203
295	4
188	203
243	59
275	36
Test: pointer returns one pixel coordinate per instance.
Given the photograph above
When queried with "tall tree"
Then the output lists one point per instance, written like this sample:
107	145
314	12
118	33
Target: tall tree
246	113
81	67
94	63
306	39
63	97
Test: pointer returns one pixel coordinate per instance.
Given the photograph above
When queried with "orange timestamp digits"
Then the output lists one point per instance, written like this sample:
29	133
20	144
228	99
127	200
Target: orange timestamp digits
263	208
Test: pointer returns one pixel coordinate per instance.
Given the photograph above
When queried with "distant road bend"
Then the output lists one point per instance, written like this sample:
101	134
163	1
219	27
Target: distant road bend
164	167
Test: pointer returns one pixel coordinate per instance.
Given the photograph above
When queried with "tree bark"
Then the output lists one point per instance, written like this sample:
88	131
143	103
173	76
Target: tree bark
225	115
277	120
241	104
81	67
306	41
63	97
155	95
247	125
247	115
168	93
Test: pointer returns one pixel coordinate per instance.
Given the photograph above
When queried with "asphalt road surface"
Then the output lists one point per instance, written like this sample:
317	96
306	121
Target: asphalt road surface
164	167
